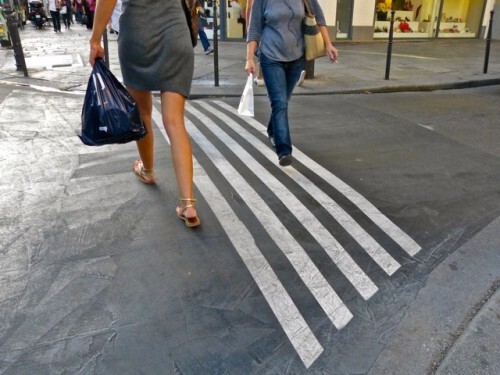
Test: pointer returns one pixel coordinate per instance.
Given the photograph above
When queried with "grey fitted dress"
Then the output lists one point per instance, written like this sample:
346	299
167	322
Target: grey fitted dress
154	46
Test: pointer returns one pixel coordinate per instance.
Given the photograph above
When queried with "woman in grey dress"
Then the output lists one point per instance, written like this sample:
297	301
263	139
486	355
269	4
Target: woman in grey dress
156	54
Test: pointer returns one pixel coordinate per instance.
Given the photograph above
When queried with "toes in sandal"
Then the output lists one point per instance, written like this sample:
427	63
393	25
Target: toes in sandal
146	176
190	221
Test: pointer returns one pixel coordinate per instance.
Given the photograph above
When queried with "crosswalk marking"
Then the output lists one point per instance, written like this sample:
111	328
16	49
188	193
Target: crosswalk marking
377	252
397	235
337	253
293	323
309	273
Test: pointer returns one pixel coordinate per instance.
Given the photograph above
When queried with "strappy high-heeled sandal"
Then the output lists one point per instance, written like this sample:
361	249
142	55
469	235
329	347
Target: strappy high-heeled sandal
146	176
190	221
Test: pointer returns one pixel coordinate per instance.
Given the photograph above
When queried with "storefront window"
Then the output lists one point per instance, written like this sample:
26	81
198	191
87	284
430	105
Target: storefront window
236	26
422	18
344	18
460	18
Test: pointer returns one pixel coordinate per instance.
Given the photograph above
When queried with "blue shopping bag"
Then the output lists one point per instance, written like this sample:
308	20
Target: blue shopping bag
109	114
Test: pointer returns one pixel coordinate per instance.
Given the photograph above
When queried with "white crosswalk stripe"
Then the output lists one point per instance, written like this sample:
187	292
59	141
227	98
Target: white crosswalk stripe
383	259
346	264
294	325
400	237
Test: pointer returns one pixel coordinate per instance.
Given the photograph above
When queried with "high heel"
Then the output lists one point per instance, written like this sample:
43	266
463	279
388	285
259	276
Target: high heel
190	221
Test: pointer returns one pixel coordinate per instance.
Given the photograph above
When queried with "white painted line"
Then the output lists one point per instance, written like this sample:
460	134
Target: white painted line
397	235
332	247
330	302
377	252
295	327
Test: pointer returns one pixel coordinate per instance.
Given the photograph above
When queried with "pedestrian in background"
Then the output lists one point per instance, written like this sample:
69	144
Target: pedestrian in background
54	8
89	9
114	23
156	53
78	10
276	30
66	13
202	22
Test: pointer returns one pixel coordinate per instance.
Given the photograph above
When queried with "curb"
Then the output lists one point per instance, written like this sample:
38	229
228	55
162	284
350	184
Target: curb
454	294
370	90
231	93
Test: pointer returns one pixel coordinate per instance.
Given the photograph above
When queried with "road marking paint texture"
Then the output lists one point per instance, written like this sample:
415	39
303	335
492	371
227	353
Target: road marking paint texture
293	323
287	314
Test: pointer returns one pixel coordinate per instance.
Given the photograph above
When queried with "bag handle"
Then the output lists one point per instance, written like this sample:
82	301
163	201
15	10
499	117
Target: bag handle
307	7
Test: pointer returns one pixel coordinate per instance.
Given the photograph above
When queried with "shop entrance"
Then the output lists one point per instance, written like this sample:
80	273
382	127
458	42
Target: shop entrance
344	18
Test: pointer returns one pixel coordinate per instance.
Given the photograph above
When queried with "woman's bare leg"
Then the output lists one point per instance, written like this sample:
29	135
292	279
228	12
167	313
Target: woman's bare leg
172	105
145	146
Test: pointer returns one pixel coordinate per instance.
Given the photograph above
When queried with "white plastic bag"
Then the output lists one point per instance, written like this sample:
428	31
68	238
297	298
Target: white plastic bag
246	102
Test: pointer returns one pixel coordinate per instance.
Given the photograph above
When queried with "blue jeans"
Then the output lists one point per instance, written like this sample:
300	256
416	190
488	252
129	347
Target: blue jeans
203	36
280	78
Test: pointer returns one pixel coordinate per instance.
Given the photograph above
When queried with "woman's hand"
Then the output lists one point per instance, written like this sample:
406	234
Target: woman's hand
250	67
332	52
96	51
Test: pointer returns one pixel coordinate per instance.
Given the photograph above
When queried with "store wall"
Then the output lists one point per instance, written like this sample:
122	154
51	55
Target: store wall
490	5
330	10
362	19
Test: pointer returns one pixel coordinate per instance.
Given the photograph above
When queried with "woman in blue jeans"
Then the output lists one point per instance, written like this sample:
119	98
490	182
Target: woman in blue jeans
276	30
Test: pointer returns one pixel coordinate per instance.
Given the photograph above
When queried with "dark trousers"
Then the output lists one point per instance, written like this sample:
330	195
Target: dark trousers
66	19
280	78
56	20
90	19
203	36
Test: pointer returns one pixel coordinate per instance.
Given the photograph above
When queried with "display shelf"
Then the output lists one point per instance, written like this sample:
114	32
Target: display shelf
416	35
381	24
457	35
460	26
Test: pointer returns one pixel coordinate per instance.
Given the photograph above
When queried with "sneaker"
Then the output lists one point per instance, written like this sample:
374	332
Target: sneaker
259	82
209	50
285	160
302	77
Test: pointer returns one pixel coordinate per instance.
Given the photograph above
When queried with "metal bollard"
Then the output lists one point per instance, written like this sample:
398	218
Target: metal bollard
16	40
389	46
216	47
309	69
488	43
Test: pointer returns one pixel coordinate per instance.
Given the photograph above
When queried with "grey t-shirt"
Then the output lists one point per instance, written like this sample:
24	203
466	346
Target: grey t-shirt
277	26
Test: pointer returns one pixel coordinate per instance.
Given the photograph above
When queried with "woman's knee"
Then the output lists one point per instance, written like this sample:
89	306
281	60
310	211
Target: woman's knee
279	105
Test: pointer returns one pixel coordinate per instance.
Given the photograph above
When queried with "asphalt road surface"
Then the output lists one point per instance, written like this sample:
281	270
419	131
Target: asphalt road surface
305	269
